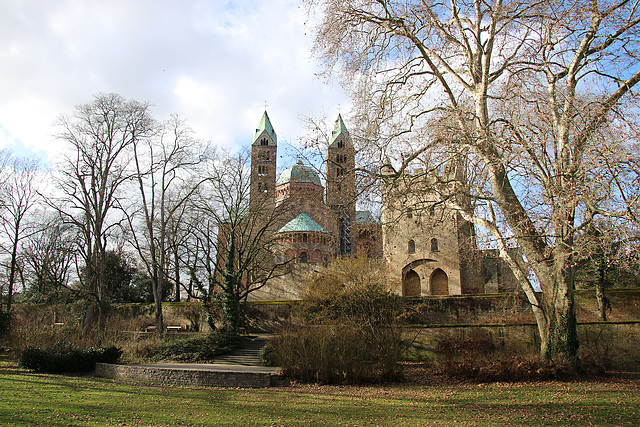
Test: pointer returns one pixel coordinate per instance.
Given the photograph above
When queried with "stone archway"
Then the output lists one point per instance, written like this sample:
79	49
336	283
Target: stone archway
411	284
439	283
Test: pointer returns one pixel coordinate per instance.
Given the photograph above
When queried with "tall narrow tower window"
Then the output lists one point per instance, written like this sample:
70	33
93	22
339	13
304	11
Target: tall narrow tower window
339	172
262	170
434	245
412	246
303	257
340	144
264	141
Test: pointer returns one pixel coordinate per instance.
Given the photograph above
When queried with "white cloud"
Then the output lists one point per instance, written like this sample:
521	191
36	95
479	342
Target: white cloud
214	63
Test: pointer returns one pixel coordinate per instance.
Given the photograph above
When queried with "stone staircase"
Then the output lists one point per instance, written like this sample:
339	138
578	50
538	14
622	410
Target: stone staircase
247	355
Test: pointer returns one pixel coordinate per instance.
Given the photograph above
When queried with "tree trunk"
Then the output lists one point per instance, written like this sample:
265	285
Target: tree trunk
176	270
156	284
560	342
601	297
12	271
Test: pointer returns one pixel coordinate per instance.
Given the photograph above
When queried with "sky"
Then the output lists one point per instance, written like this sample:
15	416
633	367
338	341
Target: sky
214	63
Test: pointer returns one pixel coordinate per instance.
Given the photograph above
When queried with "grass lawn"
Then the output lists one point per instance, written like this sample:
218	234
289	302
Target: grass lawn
29	399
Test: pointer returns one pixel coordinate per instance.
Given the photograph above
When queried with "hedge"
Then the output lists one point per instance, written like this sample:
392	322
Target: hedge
67	360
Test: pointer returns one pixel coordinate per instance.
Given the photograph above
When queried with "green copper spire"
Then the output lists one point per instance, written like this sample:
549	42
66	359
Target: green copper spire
338	129
265	125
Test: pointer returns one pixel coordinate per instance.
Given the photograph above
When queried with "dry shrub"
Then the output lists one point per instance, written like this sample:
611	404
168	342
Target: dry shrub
343	354
33	327
505	368
139	348
350	333
610	347
477	358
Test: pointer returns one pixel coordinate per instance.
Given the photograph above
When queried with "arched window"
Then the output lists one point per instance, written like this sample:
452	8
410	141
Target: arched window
434	245
262	170
303	257
304	238
409	213
340	172
412	246
264	141
340	144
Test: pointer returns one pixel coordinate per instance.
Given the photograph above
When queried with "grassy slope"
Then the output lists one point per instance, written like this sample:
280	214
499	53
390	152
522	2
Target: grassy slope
28	399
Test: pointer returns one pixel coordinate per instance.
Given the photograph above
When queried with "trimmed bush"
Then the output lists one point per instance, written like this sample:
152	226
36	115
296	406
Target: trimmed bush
64	359
267	355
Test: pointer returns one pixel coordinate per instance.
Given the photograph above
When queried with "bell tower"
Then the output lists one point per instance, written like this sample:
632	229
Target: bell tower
341	183
263	164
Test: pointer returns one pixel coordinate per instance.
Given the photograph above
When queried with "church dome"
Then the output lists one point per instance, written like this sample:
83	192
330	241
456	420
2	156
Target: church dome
298	173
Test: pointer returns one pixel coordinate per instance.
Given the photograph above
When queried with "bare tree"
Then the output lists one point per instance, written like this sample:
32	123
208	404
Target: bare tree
232	251
19	196
537	96
100	136
48	256
167	174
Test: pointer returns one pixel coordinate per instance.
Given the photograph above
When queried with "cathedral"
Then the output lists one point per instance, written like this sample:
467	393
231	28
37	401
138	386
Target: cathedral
427	251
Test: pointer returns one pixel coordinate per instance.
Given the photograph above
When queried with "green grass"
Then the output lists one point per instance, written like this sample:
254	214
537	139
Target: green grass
28	399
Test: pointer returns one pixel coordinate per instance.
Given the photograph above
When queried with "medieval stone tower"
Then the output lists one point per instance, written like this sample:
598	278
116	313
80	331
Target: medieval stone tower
430	248
263	163
341	184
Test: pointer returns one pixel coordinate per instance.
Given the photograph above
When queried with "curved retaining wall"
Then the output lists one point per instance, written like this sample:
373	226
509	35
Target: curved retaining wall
203	375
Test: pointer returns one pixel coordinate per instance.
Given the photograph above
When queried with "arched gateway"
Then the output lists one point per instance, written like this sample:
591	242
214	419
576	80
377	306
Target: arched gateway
411	284
439	283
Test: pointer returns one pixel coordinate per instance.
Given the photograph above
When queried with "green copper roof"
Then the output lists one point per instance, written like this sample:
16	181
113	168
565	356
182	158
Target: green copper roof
298	173
265	124
302	223
364	217
338	129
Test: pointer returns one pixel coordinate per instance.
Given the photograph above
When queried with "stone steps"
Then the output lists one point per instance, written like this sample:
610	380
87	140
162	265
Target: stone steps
248	355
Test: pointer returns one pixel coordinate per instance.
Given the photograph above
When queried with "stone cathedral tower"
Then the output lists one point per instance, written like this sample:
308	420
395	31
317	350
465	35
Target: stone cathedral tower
263	163
341	185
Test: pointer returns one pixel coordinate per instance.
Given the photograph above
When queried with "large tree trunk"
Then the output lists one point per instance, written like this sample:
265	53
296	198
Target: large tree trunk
561	338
